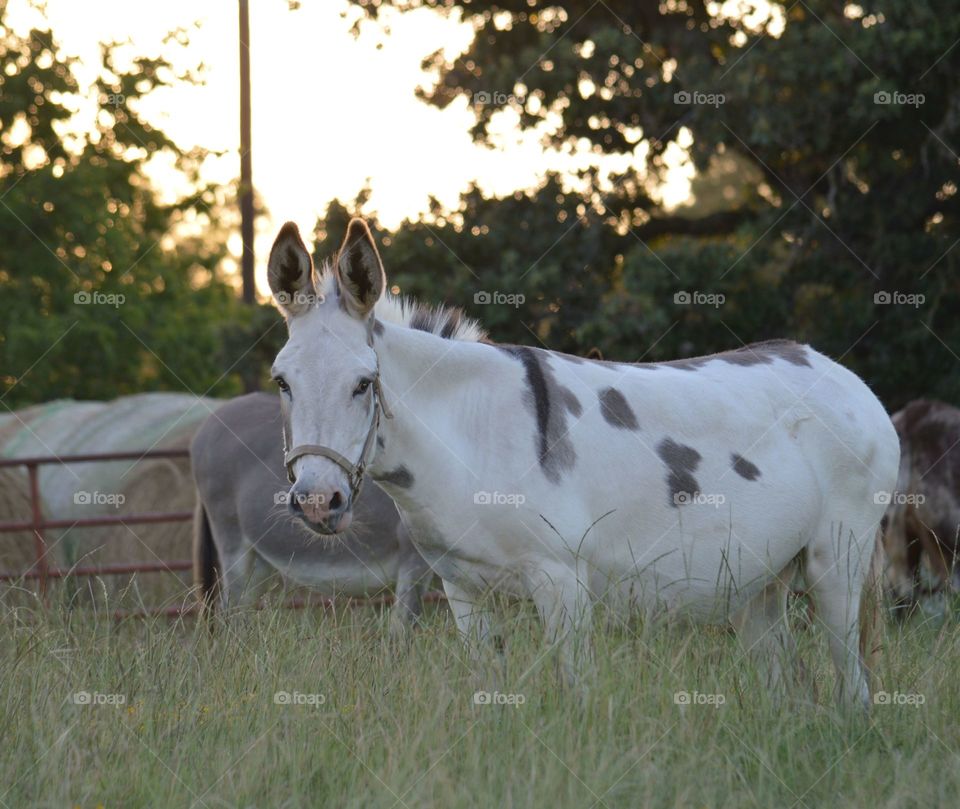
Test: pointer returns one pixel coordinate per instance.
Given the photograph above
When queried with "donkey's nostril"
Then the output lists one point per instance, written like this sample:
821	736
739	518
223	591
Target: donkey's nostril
336	501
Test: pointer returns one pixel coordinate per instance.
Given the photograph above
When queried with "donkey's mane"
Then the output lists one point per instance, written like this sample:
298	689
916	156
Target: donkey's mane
448	322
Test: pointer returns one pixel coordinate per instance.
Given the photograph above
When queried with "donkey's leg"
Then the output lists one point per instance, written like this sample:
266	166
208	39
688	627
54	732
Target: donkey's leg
476	625
565	605
473	621
836	568
243	576
765	635
413	577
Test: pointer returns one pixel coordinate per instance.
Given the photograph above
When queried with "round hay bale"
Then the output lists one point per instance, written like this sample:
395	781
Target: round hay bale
81	490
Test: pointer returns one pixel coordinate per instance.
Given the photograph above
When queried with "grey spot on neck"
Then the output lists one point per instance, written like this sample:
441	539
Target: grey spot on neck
400	477
682	461
744	468
616	410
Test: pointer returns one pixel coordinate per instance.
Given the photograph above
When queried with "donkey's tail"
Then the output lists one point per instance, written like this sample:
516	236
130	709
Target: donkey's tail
206	565
871	613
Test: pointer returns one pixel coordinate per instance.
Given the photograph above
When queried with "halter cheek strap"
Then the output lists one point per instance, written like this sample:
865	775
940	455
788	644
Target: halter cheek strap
354	471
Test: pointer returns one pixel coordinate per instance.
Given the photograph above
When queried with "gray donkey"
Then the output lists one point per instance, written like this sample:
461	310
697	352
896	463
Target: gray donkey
245	531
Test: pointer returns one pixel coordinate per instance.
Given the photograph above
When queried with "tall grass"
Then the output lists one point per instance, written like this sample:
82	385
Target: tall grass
190	717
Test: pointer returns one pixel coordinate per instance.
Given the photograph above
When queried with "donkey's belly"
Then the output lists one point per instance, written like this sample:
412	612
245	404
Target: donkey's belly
704	554
337	574
707	563
708	594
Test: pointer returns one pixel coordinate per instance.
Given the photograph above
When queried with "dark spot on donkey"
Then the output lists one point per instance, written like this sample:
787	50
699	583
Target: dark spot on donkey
400	477
682	462
754	354
550	402
744	468
616	410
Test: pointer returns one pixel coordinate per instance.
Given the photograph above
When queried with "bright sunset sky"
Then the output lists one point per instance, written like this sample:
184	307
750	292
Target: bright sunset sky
330	111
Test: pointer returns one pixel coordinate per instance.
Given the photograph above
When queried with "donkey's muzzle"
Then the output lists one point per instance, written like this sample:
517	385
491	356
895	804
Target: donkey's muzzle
326	512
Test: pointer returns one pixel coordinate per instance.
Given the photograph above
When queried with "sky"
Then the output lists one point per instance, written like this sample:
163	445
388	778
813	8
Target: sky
331	112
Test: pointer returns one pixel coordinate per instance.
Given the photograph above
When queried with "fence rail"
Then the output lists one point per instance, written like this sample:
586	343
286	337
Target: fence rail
42	571
41	568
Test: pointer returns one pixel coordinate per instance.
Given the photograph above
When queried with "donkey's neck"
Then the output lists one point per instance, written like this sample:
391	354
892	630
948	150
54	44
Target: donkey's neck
440	393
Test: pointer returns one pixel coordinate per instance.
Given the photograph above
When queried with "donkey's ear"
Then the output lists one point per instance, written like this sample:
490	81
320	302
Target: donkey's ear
359	270
290	272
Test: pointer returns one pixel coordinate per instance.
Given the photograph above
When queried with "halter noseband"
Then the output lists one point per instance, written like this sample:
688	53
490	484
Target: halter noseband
354	471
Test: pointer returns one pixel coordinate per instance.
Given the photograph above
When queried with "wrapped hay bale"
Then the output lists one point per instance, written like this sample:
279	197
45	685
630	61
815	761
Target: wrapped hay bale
152	421
20	437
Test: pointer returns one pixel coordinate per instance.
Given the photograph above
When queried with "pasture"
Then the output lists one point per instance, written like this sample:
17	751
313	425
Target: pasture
628	324
374	722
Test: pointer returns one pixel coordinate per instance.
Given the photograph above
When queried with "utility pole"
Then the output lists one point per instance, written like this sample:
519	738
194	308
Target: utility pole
246	159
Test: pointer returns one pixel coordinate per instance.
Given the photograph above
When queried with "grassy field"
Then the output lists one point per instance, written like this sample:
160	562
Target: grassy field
281	708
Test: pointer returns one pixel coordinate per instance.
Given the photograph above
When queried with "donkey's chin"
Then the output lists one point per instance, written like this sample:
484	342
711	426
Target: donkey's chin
328	528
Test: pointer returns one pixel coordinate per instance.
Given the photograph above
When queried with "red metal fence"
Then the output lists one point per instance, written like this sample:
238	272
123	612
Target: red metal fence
38	525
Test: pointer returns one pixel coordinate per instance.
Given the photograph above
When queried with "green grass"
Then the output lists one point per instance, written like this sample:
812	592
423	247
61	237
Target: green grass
398	726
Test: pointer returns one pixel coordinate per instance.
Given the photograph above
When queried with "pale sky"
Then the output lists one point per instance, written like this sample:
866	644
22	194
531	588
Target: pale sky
330	111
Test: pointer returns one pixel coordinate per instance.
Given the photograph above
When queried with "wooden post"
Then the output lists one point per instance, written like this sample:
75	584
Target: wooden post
246	159
39	542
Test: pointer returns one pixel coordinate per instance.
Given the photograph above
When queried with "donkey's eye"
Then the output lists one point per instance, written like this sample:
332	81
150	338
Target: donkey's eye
282	384
362	387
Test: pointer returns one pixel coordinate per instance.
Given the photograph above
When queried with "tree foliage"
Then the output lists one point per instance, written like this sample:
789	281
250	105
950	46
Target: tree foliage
104	288
844	121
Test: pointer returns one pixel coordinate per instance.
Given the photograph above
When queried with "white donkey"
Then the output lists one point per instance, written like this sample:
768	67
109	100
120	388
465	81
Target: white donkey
697	486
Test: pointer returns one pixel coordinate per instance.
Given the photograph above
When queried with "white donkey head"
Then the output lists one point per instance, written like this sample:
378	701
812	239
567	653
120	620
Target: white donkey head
327	372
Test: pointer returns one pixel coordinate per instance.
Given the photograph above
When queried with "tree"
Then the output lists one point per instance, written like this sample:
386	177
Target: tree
847	118
104	290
